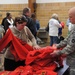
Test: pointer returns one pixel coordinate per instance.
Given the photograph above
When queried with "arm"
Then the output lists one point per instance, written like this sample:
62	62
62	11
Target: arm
64	42
70	47
57	24
32	38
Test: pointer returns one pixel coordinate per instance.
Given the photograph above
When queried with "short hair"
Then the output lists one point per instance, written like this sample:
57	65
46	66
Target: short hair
8	14
25	10
20	20
55	16
33	15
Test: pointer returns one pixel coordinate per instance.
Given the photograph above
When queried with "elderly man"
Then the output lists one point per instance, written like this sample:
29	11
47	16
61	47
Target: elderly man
68	45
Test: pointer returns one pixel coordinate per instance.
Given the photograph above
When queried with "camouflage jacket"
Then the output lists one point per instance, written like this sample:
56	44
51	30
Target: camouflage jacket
68	45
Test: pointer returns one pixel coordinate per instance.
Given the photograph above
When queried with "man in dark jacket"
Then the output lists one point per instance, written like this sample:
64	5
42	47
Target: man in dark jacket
30	23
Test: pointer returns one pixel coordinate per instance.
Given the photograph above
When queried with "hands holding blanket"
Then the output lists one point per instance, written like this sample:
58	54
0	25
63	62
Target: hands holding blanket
56	52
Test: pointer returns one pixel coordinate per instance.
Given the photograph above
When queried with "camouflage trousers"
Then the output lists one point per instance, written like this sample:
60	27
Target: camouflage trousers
71	62
72	72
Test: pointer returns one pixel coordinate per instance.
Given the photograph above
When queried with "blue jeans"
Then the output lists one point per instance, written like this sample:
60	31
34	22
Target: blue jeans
53	40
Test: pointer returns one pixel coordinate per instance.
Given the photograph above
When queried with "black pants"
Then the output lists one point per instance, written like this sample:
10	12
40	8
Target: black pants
67	72
10	65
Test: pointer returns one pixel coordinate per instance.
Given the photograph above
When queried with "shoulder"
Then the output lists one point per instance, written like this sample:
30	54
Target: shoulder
72	37
5	20
26	28
29	19
52	19
12	28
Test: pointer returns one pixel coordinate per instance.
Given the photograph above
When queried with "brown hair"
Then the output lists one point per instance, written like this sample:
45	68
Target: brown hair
20	20
8	14
25	10
33	15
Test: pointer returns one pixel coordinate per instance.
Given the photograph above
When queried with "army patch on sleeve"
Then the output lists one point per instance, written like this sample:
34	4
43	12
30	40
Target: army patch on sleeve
73	40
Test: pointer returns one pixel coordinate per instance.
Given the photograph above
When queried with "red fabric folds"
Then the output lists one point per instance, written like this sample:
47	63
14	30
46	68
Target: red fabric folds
38	62
39	55
18	48
28	70
45	72
41	59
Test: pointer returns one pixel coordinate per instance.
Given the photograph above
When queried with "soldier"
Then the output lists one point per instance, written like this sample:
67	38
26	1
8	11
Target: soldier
68	45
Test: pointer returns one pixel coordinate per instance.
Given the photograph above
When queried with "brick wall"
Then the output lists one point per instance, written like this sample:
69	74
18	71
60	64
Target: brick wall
14	9
44	11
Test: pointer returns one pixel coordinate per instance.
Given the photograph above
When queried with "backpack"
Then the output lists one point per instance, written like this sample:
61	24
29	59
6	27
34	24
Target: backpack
47	28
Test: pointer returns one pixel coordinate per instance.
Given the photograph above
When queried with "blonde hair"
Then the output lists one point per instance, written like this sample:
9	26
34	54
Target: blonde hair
55	16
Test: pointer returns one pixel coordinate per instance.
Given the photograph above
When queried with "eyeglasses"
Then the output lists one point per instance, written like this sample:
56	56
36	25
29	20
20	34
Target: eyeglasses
22	19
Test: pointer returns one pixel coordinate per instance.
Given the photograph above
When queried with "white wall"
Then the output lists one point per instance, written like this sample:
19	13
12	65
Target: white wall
13	1
37	1
51	1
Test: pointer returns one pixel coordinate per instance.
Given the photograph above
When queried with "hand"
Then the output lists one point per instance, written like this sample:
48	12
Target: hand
62	24
63	55
54	46
54	54
36	47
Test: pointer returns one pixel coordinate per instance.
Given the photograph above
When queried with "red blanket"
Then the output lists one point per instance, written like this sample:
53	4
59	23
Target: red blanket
41	59
28	70
18	48
38	62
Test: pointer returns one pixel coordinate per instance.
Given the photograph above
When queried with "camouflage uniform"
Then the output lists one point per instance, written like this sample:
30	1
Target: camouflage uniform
69	50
